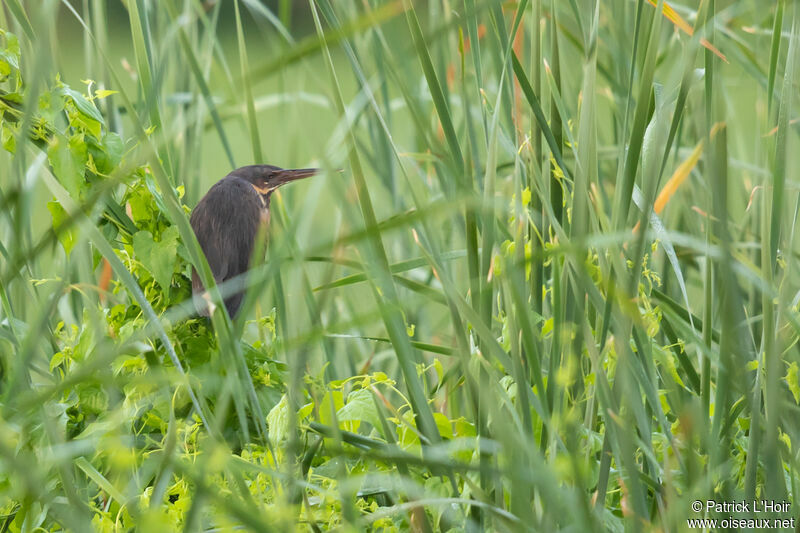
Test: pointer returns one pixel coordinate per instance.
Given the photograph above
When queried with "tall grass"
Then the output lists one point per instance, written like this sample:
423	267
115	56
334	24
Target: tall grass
547	279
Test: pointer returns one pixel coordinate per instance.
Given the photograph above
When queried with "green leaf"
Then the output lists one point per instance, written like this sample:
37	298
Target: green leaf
86	342
360	407
68	165
51	105
12	49
464	428
85	107
56	360
67	237
334	397
89	125
444	425
278	421
106	153
142	204
114	147
158	257
9	140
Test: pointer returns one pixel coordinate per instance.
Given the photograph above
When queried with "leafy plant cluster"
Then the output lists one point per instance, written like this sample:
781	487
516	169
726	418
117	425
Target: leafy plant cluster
118	407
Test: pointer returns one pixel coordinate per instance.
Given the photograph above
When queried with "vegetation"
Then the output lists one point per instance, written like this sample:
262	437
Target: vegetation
554	285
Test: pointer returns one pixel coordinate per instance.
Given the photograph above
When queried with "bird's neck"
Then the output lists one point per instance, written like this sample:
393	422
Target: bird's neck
265	208
265	199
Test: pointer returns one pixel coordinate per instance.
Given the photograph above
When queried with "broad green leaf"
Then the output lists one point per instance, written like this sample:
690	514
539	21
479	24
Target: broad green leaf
444	425
106	154
10	54
158	257
360	407
12	48
87	124
67	237
334	396
67	164
278	421
8	138
86	107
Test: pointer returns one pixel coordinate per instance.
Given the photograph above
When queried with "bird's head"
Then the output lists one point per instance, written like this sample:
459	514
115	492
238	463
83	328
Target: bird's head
266	178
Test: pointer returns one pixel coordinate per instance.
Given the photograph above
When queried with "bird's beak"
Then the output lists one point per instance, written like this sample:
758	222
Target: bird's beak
291	174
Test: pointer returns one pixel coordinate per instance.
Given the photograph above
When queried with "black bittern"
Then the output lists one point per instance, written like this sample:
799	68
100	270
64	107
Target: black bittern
227	220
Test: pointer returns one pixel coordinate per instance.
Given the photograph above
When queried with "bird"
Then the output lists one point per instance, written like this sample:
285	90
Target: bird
227	220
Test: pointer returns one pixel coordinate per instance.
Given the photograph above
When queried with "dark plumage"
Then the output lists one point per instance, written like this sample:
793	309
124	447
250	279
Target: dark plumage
227	219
